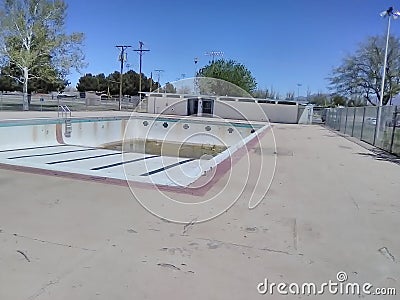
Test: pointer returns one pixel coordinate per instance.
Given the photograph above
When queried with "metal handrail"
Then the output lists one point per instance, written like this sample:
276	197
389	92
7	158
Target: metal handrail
64	109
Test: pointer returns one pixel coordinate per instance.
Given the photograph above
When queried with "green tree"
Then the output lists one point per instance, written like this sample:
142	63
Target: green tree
319	99
230	71
42	86
102	85
130	83
33	40
360	74
356	102
146	82
8	83
113	83
88	82
169	88
338	100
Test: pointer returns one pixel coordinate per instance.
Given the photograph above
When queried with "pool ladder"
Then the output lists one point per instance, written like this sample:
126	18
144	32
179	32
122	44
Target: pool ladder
65	112
68	128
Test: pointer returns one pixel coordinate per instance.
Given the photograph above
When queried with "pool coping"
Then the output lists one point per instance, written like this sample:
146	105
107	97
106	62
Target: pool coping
171	118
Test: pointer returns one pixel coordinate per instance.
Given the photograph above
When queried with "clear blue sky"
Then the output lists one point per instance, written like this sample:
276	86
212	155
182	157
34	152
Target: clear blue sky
282	42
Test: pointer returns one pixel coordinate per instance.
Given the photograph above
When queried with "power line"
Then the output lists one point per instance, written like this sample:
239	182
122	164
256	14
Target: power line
140	51
122	59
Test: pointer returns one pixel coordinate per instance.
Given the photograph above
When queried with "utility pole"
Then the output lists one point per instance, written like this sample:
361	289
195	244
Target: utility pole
158	78
122	58
140	51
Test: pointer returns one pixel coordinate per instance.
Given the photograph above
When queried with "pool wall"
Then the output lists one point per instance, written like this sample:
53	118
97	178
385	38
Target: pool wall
96	132
37	143
102	132
235	108
28	135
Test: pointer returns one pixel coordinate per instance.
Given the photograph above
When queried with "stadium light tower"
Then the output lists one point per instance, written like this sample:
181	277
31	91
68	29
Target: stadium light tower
158	71
389	13
195	81
196	60
298	90
214	54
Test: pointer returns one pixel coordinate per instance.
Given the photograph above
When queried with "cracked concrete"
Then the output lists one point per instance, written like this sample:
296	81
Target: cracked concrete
50	242
329	209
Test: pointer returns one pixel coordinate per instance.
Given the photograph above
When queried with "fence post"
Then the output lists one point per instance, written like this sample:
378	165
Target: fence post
327	118
354	120
394	128
345	123
376	125
362	124
334	120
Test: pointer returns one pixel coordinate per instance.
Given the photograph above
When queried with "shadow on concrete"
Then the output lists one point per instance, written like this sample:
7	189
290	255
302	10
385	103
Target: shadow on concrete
377	153
382	155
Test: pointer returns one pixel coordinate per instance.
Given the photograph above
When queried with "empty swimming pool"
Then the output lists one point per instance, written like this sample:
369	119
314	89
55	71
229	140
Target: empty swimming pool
168	151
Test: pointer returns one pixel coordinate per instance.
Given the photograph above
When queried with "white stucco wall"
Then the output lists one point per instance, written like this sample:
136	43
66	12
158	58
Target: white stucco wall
240	109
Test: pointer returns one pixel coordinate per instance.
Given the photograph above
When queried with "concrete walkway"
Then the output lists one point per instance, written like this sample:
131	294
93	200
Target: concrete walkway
332	207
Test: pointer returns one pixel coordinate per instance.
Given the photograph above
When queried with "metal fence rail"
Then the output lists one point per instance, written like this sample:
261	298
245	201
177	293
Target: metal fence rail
361	122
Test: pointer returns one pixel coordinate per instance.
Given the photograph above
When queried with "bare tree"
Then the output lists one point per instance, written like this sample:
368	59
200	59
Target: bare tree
289	96
361	73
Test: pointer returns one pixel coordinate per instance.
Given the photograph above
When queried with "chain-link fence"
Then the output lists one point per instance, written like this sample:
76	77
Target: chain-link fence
14	102
362	123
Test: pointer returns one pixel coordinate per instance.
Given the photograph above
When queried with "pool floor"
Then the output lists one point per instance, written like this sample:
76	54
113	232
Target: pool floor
149	168
168	148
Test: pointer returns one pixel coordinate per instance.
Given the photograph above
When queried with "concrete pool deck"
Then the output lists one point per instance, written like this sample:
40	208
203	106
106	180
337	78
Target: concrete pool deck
332	207
13	115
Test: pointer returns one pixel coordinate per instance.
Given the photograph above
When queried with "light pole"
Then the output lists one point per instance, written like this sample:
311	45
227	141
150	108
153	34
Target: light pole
298	90
151	82
387	13
195	82
158	78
